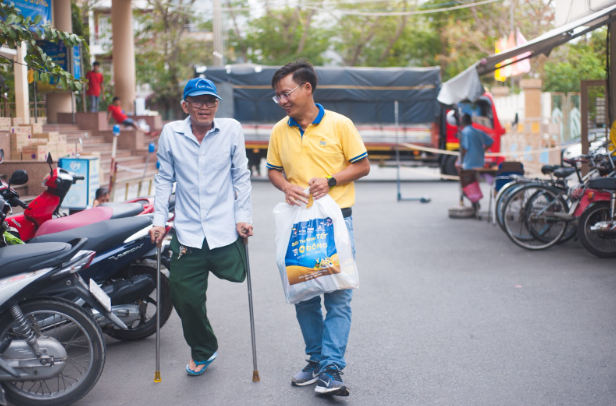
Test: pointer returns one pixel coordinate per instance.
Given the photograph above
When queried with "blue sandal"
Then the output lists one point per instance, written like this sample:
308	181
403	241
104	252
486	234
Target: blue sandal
206	363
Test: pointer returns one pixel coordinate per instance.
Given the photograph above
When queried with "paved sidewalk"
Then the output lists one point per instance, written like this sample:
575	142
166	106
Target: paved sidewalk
449	313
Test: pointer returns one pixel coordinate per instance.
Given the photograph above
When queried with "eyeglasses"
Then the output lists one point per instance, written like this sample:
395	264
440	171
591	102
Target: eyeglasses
285	96
197	104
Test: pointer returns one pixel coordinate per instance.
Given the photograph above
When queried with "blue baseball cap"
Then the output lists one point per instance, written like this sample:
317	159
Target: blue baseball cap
200	86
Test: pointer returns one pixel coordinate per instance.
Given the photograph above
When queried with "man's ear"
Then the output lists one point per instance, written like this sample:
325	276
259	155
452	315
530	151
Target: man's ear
185	107
309	87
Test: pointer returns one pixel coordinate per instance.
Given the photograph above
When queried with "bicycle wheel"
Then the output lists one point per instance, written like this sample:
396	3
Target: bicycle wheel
600	244
552	218
513	214
520	217
501	199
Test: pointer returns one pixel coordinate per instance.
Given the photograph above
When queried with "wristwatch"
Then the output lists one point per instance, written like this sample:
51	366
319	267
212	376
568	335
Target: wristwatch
331	182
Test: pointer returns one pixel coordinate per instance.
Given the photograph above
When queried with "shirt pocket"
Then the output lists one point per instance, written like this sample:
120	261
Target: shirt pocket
219	160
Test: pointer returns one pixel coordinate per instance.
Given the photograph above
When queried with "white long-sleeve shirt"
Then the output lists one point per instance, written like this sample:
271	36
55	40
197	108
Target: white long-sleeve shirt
213	182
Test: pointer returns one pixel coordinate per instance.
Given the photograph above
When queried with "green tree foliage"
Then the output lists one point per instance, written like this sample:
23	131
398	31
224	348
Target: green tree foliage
574	62
167	50
282	35
15	30
384	40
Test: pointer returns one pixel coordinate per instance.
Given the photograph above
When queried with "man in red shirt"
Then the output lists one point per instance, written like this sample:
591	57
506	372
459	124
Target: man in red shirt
95	86
115	110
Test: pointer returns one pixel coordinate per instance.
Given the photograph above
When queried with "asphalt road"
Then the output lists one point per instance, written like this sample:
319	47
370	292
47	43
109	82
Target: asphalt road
449	312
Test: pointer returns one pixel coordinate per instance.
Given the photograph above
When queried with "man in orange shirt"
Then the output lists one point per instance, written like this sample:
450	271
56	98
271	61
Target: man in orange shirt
95	86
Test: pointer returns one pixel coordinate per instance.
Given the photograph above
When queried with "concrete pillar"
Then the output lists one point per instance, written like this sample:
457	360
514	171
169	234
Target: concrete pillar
123	53
60	101
22	97
532	97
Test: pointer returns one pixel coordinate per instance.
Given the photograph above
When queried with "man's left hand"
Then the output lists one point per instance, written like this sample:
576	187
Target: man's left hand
244	229
318	187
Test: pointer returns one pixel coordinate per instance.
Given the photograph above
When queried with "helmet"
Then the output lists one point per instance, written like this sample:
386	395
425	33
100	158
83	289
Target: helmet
451	118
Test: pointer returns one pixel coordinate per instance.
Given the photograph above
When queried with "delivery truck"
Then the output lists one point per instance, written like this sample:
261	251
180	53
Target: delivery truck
390	107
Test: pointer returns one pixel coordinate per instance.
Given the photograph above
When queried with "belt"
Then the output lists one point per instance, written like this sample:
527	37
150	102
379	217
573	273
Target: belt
347	212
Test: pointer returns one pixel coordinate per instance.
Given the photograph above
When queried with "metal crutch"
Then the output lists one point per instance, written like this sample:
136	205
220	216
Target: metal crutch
158	309
255	372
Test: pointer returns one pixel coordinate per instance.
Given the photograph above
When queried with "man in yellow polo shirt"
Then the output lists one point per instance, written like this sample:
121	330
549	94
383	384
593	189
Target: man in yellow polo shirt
321	150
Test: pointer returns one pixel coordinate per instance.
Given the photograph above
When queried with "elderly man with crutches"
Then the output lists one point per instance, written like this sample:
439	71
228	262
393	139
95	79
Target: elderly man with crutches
206	158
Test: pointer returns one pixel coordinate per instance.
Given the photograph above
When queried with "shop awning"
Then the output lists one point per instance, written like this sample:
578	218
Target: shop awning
467	85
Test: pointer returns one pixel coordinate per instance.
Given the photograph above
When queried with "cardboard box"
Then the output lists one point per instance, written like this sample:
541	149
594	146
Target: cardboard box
35	152
18	141
5	144
61	150
20	129
34	128
39	120
71	150
17	121
5	127
53	136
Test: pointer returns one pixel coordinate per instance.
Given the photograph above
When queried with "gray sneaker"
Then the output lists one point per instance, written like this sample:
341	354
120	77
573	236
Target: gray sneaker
308	375
330	382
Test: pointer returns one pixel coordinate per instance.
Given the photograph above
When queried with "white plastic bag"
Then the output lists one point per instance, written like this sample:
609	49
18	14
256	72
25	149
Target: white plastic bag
313	250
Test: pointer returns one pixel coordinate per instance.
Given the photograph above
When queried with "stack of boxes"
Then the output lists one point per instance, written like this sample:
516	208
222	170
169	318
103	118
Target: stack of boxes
29	142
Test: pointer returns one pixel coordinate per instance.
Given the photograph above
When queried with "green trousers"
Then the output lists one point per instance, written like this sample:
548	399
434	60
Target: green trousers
188	283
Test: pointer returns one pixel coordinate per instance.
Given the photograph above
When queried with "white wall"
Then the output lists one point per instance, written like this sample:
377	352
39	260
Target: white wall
571	10
508	106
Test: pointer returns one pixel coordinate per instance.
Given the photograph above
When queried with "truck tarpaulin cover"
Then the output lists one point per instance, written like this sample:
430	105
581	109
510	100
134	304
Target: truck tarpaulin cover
365	95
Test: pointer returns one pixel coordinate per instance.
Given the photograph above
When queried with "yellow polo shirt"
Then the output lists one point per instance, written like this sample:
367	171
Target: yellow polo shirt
329	145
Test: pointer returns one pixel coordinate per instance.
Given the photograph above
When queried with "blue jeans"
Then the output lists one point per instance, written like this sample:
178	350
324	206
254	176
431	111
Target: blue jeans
93	103
326	339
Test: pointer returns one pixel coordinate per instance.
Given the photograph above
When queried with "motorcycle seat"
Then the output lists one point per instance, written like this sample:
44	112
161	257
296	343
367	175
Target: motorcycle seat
603	183
564	172
17	259
83	218
102	236
122	210
547	169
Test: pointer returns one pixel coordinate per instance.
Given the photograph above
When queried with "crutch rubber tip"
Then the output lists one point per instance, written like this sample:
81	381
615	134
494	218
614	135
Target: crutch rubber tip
157	377
255	376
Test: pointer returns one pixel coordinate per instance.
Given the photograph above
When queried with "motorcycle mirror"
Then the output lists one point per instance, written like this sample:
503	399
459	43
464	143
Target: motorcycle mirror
19	177
49	162
1	155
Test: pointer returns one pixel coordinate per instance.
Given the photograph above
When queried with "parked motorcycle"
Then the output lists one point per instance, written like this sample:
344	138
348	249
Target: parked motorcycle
52	351
120	266
597	224
121	246
42	216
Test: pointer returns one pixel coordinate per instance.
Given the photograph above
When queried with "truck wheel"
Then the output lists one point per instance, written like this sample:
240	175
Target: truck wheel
448	167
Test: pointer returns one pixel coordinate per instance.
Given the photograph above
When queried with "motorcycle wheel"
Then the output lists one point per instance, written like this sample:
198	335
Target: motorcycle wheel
146	326
601	245
83	341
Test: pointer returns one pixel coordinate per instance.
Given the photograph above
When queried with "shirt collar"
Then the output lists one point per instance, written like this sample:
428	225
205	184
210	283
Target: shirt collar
186	128
292	123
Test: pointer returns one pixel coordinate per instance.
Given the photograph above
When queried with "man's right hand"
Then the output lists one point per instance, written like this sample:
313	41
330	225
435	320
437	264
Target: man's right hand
157	233
294	195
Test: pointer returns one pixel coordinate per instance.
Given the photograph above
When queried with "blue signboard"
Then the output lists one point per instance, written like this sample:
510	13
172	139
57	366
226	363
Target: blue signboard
33	8
57	53
77	62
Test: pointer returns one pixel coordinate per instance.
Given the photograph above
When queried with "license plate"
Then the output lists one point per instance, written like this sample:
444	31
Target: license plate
100	295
